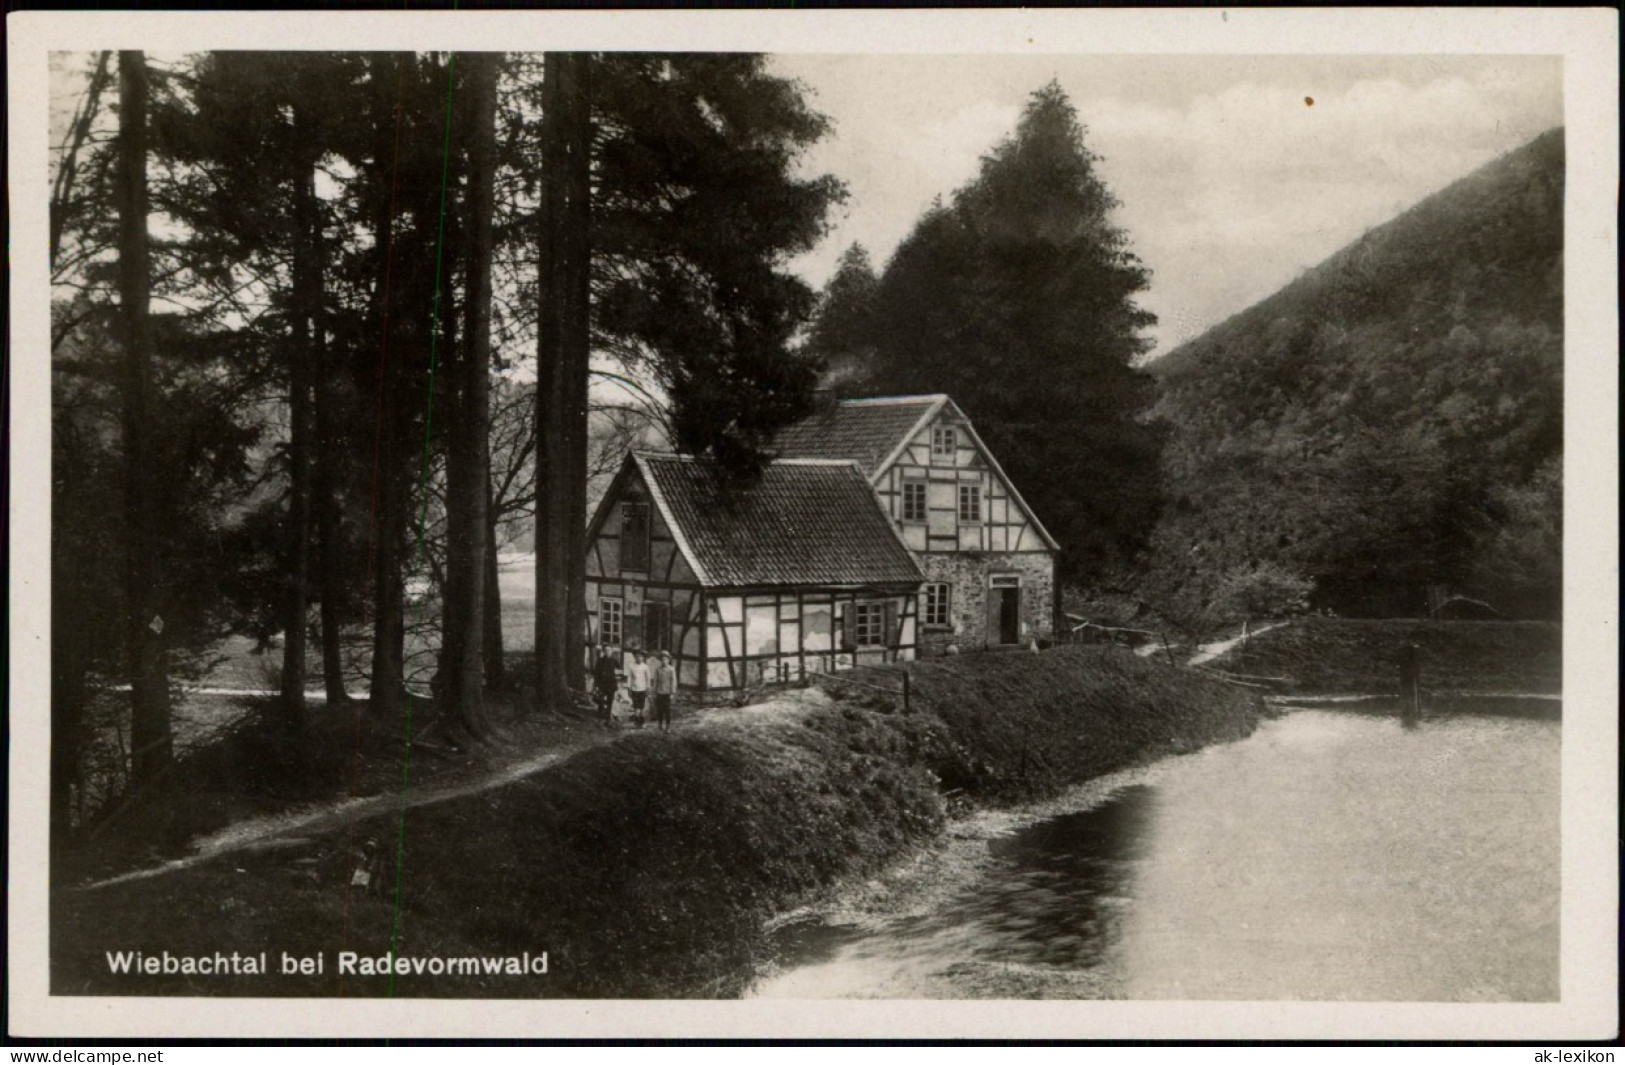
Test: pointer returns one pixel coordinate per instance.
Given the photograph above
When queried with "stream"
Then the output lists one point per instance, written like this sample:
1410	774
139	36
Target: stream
1331	855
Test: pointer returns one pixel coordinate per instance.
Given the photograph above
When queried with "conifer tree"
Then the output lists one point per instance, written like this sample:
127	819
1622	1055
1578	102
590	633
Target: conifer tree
1017	299
151	741
841	335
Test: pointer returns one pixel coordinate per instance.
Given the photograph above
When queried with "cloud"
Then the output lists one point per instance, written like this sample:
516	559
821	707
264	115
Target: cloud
1259	178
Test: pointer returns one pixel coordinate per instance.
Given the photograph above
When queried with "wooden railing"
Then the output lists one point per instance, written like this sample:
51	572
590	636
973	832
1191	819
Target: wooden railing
1086	632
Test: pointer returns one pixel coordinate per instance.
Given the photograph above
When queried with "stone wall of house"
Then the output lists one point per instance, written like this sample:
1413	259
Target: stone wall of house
968	572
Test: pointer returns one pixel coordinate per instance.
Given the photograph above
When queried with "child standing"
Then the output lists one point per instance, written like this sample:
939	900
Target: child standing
665	686
620	708
637	682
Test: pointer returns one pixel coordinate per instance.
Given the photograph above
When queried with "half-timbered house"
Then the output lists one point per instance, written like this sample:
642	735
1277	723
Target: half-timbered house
988	562
801	573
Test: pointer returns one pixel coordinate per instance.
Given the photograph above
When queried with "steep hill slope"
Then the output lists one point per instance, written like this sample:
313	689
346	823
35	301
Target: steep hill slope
1391	422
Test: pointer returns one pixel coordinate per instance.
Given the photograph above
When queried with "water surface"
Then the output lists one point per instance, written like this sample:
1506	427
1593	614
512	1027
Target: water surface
1331	855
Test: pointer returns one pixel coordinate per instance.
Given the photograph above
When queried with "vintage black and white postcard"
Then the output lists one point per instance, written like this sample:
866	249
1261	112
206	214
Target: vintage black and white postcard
1029	524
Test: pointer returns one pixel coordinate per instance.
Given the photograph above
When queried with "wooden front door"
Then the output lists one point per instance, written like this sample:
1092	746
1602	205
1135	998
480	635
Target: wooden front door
656	627
1004	612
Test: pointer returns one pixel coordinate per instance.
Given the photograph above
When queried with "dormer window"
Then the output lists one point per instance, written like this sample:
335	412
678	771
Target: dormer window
943	440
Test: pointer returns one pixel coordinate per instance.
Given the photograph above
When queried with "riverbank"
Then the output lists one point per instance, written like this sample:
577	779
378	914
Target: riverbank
648	867
1349	655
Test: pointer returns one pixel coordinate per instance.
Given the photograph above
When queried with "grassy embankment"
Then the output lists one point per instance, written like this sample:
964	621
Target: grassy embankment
251	773
1325	655
647	867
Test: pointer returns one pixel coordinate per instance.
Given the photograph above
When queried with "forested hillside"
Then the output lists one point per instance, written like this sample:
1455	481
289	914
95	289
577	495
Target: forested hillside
1388	426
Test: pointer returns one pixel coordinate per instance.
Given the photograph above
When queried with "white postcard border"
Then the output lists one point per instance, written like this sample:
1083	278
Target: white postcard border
1586	38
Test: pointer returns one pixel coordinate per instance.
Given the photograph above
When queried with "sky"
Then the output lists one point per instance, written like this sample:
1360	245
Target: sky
1231	181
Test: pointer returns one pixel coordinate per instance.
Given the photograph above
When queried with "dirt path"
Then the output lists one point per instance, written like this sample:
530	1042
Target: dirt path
1207	652
290	826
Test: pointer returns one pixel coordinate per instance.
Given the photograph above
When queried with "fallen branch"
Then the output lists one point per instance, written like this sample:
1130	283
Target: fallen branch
1244	676
1227	678
437	749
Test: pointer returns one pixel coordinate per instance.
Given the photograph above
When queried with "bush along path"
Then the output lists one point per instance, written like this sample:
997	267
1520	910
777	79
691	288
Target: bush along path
649	866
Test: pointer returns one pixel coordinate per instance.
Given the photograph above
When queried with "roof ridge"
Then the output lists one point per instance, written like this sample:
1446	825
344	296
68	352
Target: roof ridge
814	462
684	456
884	401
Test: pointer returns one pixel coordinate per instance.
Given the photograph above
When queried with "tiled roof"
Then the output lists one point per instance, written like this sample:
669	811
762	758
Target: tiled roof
865	431
870	431
803	523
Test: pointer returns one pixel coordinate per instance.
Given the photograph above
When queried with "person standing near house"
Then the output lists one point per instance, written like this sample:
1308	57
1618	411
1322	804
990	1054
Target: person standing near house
665	686
637	682
604	678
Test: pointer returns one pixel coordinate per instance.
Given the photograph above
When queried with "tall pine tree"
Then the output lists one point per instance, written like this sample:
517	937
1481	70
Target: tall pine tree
841	337
670	260
1017	299
151	741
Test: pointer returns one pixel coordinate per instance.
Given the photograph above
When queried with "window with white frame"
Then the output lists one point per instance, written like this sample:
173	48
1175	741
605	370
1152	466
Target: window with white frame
913	500
935	605
869	624
970	504
610	614
943	440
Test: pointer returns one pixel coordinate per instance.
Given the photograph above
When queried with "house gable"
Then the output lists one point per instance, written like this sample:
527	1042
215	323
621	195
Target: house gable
664	559
969	502
642	588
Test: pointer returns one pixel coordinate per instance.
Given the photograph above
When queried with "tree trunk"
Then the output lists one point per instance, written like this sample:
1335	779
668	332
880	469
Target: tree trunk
329	527
386	556
388	683
329	532
151	746
562	358
67	725
307	296
450	575
496	671
468	465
